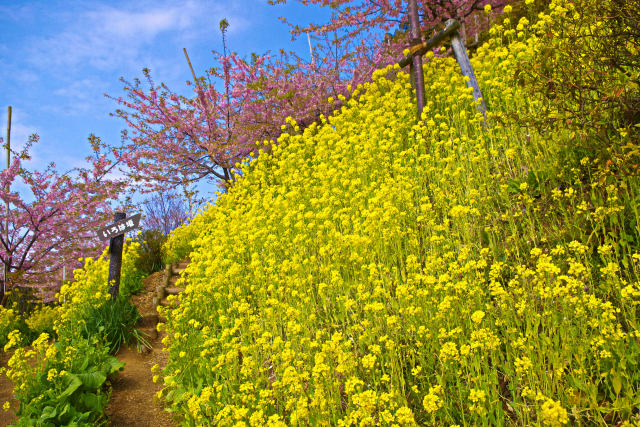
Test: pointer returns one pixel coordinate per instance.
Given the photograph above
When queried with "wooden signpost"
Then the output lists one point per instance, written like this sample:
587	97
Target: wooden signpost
121	225
115	234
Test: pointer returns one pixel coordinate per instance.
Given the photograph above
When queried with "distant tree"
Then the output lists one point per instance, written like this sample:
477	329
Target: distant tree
164	212
52	223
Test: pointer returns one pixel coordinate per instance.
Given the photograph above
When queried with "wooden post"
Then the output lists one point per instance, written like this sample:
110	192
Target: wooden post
460	52
5	271
451	30
416	63
420	49
115	259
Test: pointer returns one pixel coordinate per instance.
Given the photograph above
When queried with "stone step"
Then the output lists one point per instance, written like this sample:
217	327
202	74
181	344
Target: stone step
149	320
163	302
177	270
173	290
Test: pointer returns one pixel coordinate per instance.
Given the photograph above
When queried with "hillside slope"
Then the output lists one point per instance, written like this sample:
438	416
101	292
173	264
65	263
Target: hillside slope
374	270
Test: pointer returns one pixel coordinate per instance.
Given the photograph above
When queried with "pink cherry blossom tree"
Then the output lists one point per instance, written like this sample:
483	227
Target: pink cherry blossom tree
174	140
374	19
52	223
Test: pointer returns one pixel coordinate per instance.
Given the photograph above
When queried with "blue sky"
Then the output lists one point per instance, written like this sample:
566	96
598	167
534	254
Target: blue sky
58	59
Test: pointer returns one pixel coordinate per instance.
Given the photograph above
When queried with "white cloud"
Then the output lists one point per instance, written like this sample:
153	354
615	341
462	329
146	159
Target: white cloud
107	38
144	25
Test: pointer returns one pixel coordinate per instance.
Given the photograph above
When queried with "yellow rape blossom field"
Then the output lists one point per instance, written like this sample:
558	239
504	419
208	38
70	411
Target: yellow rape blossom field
377	270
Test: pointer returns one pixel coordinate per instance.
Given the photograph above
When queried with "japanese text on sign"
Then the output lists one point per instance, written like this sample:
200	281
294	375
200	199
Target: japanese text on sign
120	227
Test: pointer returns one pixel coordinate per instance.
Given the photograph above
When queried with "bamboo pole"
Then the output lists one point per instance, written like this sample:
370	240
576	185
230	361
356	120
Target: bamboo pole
195	80
6	225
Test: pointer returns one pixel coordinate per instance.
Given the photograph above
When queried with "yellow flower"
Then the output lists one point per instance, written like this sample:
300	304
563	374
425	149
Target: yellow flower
404	416
477	316
368	361
553	413
431	402
522	364
449	351
477	395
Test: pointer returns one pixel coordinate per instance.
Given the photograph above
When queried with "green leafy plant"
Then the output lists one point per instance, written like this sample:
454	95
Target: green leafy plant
150	255
116	323
63	381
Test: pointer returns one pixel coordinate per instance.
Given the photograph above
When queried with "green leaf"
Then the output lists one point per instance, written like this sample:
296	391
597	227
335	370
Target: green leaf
112	365
85	364
48	413
73	383
92	380
616	382
65	412
92	401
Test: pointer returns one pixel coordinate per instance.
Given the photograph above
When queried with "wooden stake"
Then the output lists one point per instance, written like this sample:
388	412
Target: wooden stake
451	30
421	48
417	73
460	52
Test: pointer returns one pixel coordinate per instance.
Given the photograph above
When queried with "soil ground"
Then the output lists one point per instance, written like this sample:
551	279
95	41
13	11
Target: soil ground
6	393
132	402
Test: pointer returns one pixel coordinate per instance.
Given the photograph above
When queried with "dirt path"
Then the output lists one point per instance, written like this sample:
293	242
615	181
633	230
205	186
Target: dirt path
132	400
6	393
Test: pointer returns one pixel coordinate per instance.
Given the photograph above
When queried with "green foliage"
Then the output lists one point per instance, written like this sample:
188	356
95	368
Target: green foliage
115	321
131	280
150	258
65	381
21	299
588	73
